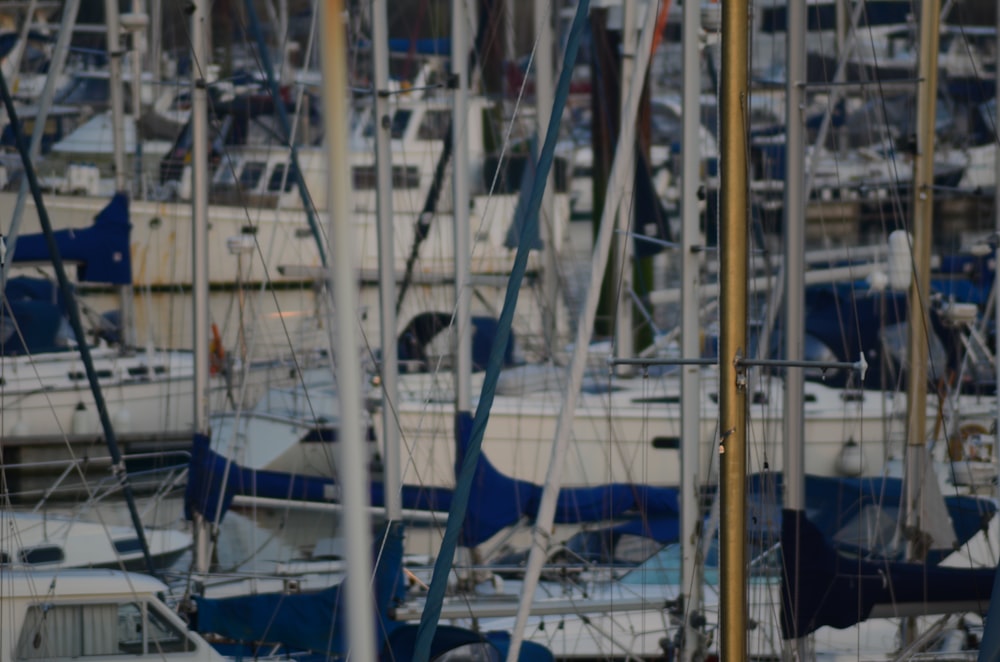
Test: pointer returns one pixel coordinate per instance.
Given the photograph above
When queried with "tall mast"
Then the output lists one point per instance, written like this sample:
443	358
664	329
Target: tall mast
117	98
996	230
919	320
351	459
386	263
544	72
734	208
199	238
794	265
622	264
690	327
460	182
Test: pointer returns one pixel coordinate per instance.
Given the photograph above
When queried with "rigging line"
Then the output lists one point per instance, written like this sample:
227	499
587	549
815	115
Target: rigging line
430	616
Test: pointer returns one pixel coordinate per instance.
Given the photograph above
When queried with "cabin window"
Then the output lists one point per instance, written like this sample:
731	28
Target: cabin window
127	546
658	400
403	177
667	443
90	630
42	554
251	174
161	636
274	184
435	125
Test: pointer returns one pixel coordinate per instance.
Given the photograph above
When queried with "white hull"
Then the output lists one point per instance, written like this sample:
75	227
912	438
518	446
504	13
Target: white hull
52	542
631	435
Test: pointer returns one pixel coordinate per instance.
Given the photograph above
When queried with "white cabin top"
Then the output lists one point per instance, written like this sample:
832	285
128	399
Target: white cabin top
97	614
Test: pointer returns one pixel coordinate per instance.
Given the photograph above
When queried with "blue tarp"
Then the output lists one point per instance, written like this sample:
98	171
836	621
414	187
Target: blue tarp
833	506
839	591
316	622
101	251
496	501
308	621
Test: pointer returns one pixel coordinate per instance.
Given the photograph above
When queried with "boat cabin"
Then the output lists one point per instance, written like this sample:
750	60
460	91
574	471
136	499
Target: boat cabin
97	614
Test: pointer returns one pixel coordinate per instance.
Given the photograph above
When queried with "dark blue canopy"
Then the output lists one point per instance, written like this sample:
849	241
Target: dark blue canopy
496	501
100	251
839	591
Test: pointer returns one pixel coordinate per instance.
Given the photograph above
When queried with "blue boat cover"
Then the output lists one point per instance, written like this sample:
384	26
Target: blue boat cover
316	622
101	251
989	647
496	501
447	638
37	310
839	591
308	621
834	506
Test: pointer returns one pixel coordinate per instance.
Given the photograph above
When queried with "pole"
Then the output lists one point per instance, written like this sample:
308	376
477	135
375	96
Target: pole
919	320
199	252
794	267
622	266
733	204
460	182
351	459
544	71
386	264
690	329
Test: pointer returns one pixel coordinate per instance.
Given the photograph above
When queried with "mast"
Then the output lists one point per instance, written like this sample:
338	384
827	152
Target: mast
386	264
794	266
460	183
136	23
117	98
115	91
996	230
734	207
919	320
543	109
351	459
690	328
622	266
199	252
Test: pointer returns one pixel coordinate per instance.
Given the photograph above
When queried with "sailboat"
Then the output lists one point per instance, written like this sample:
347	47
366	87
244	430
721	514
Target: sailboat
68	613
321	622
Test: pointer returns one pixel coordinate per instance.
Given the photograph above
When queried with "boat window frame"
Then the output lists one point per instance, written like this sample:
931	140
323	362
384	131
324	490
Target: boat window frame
151	613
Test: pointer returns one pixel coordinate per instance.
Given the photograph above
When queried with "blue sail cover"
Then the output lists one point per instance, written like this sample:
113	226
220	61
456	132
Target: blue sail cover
496	498
446	638
308	621
100	251
838	591
496	501
989	647
316	622
835	505
37	308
